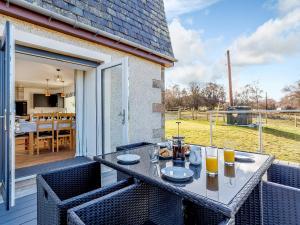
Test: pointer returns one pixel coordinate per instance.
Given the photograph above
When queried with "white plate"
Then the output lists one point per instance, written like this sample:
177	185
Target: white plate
243	157
162	144
128	158
176	173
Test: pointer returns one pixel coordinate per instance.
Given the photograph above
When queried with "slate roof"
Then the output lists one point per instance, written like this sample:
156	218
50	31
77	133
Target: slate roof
140	21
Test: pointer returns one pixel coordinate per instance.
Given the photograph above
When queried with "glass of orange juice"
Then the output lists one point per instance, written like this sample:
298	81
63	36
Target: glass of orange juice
229	156
212	161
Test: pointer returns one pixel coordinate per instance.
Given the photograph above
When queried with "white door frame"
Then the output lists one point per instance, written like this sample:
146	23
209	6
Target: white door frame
8	105
50	42
125	94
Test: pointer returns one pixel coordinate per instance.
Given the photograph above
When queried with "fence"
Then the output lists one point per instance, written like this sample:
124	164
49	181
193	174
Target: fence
269	131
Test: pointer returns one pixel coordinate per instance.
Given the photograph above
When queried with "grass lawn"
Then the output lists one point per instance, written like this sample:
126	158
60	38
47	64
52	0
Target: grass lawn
280	137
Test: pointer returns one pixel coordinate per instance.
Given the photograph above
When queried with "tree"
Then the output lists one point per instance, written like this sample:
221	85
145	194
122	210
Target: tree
185	98
173	97
291	100
250	95
195	95
213	94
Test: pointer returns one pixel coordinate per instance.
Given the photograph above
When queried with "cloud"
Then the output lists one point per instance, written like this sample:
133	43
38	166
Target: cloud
187	43
191	51
284	6
271	42
176	8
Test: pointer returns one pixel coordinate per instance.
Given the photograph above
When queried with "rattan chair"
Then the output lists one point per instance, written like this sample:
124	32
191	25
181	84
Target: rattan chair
60	190
281	204
285	173
136	204
248	214
281	194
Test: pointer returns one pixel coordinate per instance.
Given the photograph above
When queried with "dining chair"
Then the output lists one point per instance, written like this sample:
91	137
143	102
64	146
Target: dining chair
44	130
22	143
64	129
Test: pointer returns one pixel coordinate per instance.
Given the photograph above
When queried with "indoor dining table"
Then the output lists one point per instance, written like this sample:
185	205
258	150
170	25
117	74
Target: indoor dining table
225	193
31	127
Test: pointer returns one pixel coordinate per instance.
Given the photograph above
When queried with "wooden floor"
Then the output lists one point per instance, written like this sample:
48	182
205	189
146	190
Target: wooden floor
23	159
25	211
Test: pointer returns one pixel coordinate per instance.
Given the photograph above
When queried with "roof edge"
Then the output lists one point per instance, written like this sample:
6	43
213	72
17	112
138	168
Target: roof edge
76	24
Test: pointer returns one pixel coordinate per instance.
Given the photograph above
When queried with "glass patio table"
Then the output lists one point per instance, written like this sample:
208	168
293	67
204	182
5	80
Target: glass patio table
223	194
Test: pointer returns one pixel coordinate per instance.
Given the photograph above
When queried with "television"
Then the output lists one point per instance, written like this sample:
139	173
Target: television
21	108
54	100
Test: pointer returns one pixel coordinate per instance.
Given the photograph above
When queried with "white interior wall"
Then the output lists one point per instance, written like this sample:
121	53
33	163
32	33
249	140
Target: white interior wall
70	104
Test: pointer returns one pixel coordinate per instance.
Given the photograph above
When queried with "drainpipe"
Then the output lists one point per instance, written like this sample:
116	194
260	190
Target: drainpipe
76	24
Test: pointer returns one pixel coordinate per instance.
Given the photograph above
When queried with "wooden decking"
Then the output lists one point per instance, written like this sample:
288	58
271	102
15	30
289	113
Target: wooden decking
25	211
24	159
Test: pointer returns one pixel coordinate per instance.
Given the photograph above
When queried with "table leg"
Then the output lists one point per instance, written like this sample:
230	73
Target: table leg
31	148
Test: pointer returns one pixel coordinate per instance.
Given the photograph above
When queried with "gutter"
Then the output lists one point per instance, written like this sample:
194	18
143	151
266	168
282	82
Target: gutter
76	24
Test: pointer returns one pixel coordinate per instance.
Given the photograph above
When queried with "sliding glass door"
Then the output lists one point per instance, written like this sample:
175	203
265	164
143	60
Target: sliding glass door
7	116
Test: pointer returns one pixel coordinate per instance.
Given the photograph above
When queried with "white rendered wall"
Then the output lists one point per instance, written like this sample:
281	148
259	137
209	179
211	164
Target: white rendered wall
142	121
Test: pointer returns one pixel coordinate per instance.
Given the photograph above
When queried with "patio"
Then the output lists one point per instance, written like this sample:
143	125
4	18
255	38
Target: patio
234	199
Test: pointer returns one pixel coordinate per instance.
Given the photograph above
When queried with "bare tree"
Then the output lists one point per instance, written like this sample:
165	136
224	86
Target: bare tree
195	95
214	95
250	95
173	97
291	100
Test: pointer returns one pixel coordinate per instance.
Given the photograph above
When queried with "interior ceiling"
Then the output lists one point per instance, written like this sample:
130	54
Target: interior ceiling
33	71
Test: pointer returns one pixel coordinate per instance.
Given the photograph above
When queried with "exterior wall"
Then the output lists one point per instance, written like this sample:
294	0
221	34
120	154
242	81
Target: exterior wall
145	120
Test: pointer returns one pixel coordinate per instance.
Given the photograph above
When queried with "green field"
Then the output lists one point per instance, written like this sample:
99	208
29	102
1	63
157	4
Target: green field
280	137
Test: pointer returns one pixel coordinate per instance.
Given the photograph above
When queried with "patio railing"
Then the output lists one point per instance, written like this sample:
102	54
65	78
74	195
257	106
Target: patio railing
266	131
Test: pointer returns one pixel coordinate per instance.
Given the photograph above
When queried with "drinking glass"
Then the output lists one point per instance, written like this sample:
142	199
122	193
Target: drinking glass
212	183
212	161
154	153
229	154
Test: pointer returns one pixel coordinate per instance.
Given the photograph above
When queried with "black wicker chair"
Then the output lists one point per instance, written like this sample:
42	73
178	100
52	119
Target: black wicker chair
284	173
137	204
281	204
198	215
60	190
248	214
281	194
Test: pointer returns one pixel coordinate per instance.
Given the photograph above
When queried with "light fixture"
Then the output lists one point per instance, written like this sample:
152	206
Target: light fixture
47	92
58	77
62	94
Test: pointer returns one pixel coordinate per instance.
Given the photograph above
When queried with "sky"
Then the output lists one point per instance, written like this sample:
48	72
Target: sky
263	38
